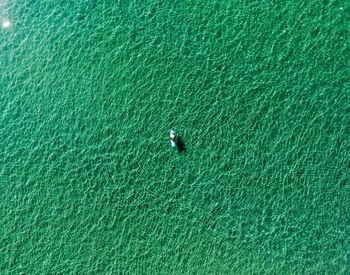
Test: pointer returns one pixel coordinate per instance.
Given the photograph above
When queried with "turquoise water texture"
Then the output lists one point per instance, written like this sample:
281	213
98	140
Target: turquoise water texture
259	92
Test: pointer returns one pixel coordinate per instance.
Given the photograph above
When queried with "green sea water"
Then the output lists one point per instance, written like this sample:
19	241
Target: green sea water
259	92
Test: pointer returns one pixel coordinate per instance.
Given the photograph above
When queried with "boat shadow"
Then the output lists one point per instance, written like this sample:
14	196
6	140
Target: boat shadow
180	144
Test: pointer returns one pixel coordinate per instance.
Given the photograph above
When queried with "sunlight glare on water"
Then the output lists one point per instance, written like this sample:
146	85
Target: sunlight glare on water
6	24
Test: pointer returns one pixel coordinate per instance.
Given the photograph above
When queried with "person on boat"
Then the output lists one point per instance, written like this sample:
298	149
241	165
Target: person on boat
172	136
177	142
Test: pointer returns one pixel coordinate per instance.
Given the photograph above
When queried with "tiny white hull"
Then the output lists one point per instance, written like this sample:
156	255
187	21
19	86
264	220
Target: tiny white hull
172	137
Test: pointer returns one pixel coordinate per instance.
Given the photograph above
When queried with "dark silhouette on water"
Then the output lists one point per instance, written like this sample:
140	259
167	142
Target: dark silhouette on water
180	144
176	141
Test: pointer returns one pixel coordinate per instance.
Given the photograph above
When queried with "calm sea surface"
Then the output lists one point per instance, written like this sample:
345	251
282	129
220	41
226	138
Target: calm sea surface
259	92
